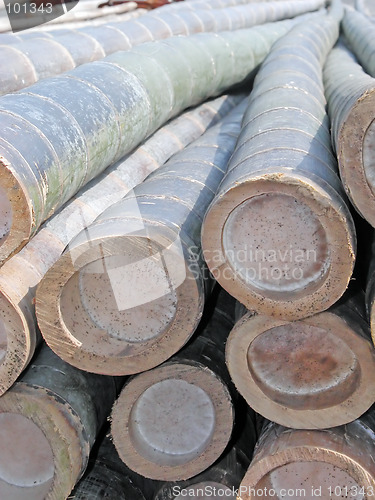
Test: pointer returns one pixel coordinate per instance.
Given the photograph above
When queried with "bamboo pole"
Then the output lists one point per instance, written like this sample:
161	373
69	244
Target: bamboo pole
116	103
25	63
334	463
359	32
279	235
20	275
350	94
174	421
49	422
314	373
152	237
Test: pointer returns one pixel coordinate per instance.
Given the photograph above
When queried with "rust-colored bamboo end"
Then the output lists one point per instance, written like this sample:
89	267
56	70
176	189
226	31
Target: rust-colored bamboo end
43	452
285	246
356	155
172	422
16	214
88	316
310	374
334	463
17	341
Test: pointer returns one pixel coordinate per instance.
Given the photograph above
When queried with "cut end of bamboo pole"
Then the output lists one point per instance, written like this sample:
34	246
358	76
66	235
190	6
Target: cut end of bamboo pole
356	155
35	458
284	248
16	216
125	305
309	374
172	422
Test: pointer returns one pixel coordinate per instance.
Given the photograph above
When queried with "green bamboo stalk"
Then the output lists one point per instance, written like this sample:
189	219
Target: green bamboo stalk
330	463
27	62
173	422
351	105
20	275
313	373
359	32
49	420
151	237
279	235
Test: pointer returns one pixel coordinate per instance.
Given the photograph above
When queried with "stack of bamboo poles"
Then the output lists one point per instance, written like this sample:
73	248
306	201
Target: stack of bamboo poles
120	275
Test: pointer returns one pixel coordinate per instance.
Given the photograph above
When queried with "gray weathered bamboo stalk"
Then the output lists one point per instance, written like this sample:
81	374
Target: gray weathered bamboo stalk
314	373
106	477
350	94
116	103
20	275
25	63
174	421
279	235
359	32
366	7
148	243
334	463
49	421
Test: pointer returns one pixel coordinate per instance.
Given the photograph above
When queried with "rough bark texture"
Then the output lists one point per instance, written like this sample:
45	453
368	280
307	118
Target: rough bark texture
191	417
27	62
150	237
279	235
20	275
310	374
351	105
341	457
65	405
75	125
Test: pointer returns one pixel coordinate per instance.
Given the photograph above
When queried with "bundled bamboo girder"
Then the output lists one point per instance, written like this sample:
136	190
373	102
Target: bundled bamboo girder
351	104
50	419
20	275
313	373
173	422
279	235
116	103
152	236
27	62
330	463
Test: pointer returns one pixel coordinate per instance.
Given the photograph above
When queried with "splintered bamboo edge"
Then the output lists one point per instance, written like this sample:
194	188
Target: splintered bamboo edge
165	463
312	374
328	212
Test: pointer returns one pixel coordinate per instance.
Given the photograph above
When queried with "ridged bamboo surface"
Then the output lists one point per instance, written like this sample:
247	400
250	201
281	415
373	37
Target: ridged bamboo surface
359	31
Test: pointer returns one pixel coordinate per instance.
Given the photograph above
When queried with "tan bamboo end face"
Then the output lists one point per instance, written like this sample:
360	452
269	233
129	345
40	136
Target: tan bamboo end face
42	449
311	374
206	490
356	155
16	216
280	244
121	308
172	422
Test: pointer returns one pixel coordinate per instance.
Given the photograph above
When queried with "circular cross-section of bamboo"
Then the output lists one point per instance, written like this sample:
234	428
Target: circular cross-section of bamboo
172	422
280	243
43	450
309	374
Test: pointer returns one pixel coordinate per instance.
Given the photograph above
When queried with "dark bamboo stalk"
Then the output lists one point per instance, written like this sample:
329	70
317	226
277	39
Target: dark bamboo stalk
279	235
172	422
351	105
334	463
20	275
49	421
314	373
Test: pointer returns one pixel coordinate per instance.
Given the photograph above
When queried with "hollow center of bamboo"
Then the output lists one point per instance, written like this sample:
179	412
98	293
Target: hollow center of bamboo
6	215
303	367
3	341
26	459
172	422
206	490
308	480
115	300
368	156
276	244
